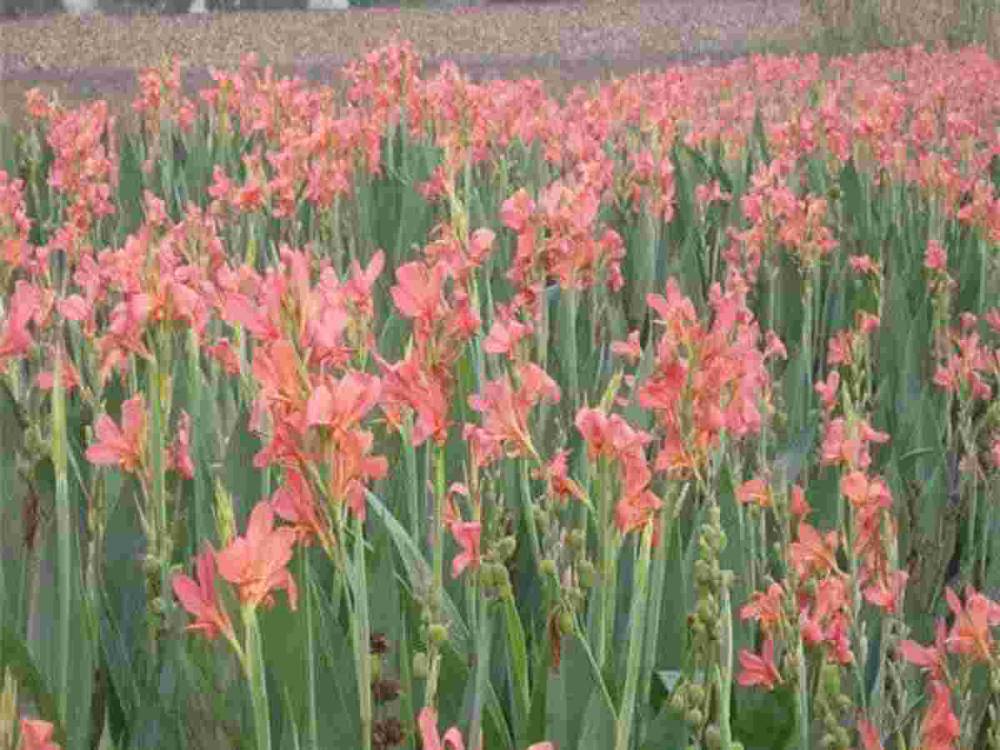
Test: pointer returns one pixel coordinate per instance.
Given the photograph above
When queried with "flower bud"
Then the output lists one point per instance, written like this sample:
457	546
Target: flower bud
548	567
437	633
542	520
694	717
576	539
566	624
713	737
420	665
505	548
587	574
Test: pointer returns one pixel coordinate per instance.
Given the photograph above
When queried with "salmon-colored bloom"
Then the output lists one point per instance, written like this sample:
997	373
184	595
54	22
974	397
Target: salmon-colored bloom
755	491
931	659
868	734
255	563
940	728
294	502
37	735
759	669
936	257
200	599
813	553
970	634
179	451
121	447
467	536
431	738
341	405
765	607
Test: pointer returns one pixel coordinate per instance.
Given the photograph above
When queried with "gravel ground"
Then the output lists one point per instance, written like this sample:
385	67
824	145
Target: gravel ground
564	44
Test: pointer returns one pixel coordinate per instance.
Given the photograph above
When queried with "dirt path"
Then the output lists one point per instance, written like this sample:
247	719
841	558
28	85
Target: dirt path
564	44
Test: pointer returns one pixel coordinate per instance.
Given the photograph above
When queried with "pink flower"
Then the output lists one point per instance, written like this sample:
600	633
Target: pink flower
466	534
199	598
936	257
429	736
37	735
121	447
255	564
759	670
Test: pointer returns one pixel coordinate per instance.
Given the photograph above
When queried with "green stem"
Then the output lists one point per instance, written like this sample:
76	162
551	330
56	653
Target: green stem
362	636
256	679
519	667
725	676
482	670
637	621
64	537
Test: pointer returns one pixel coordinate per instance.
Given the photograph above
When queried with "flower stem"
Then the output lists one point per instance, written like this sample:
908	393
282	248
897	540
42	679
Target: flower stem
254	669
637	621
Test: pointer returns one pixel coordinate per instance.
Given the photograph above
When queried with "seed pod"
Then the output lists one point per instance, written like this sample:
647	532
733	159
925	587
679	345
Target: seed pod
420	665
437	633
505	548
713	737
548	567
587	573
694	717
566	625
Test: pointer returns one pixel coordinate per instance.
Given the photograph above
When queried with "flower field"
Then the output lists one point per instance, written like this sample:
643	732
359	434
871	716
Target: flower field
444	416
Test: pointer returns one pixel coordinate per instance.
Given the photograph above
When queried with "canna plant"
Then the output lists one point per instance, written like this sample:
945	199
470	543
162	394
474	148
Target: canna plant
655	417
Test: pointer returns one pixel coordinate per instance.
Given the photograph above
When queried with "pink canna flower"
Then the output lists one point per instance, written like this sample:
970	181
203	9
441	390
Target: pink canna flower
759	670
37	735
122	447
429	736
970	634
200	599
255	563
179	451
940	728
936	257
467	536
931	659
868	734
342	405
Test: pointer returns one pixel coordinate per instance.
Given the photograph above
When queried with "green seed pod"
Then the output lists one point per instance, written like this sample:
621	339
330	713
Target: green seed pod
548	567
150	565
828	742
844	702
714	515
678	700
587	573
694	717
420	665
697	693
842	737
576	540
566	624
830	676
542	520
437	633
505	548
713	737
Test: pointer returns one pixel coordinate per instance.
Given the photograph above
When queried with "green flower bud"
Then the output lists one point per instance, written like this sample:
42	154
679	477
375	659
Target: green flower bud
437	633
694	717
420	665
697	693
830	676
576	539
505	548
548	567
587	573
713	737
842	737
566	624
